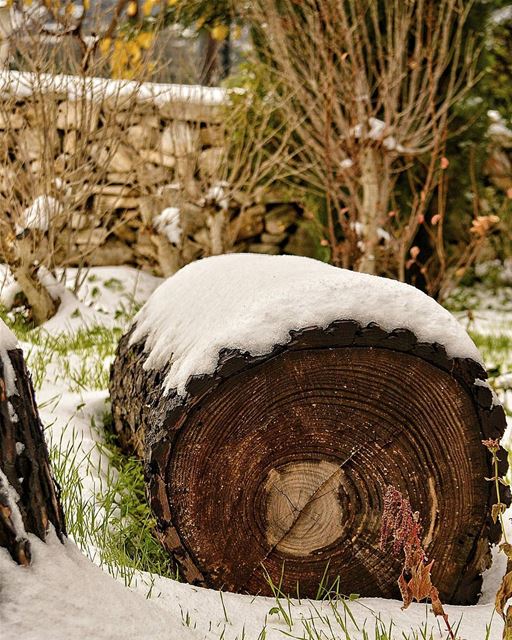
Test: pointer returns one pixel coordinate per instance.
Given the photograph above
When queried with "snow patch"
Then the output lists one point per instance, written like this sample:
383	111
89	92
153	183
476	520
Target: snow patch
8	340
22	84
8	492
500	16
168	224
14	418
7	343
40	214
9	374
251	302
216	194
495	400
377	129
84	602
63	595
72	314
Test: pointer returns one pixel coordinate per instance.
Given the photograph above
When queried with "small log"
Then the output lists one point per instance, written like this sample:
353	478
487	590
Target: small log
277	465
29	497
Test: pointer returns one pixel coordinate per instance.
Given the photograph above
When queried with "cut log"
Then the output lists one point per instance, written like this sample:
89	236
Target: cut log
275	463
29	498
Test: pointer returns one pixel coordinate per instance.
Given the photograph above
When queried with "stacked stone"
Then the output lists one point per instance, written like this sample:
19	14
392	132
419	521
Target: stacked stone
116	164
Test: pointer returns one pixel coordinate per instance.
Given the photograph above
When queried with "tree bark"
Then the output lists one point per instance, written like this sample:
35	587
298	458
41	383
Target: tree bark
27	489
277	465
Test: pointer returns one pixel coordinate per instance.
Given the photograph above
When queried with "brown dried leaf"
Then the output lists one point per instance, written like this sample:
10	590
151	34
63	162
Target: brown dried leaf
420	584
496	511
437	605
504	593
507	549
404	591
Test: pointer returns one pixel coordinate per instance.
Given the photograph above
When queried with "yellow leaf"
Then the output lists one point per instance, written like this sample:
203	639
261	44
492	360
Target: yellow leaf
200	22
133	51
171	3
105	45
131	9
87	4
148	7
145	39
220	32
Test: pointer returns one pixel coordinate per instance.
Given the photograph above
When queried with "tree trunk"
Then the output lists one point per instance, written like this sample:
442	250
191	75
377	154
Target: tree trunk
42	305
375	188
216	226
210	63
19	256
29	498
277	465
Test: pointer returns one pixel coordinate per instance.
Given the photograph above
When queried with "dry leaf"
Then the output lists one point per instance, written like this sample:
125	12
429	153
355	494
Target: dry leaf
404	591
503	594
497	510
506	547
437	605
481	225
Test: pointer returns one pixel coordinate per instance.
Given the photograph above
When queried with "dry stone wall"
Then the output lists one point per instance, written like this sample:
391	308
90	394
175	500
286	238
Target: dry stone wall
113	173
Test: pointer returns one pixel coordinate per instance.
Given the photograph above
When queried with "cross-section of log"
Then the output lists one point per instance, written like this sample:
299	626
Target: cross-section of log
29	501
274	398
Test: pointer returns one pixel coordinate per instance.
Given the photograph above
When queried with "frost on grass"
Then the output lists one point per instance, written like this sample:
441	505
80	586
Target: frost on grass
251	302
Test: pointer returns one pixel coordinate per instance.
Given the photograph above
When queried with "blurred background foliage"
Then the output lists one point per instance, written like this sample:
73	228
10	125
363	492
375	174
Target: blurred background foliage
216	42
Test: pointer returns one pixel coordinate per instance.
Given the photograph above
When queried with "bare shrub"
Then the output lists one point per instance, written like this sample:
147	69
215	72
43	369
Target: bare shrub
373	86
63	136
219	187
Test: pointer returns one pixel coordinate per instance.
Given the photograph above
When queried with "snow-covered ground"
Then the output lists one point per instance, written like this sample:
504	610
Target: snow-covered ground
63	595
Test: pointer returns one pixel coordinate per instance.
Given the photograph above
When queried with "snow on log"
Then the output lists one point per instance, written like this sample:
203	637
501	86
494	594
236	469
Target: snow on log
29	500
274	398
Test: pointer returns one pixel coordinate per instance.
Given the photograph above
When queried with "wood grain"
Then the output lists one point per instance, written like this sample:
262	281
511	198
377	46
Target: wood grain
279	463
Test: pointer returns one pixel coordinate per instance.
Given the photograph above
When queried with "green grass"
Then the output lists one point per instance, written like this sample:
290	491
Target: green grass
496	350
81	359
114	527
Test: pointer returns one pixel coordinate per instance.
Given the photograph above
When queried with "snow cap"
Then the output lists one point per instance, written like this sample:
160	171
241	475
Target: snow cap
251	302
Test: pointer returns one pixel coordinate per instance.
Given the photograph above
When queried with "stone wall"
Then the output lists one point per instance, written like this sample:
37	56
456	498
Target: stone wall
130	174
